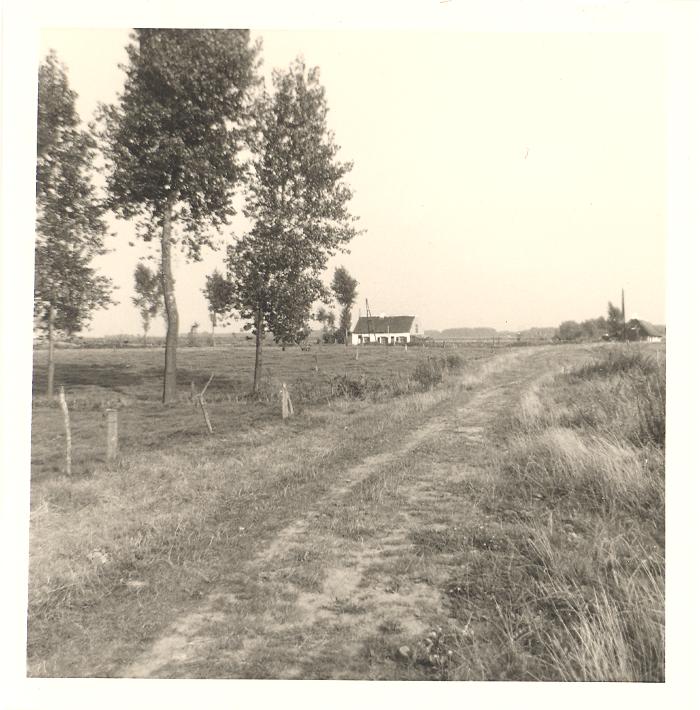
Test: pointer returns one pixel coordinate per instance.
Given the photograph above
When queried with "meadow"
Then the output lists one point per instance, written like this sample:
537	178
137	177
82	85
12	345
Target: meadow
130	380
472	514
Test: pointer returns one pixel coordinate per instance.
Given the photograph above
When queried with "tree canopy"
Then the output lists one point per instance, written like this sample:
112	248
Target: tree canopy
614	322
70	229
344	288
218	292
173	144
149	294
297	203
178	129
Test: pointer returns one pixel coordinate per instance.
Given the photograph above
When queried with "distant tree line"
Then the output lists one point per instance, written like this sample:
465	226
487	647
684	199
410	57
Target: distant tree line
594	328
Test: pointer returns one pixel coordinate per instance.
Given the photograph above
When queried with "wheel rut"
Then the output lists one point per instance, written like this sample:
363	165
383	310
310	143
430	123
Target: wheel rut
307	604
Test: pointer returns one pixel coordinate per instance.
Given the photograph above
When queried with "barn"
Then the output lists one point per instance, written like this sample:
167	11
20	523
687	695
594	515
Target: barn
643	331
387	330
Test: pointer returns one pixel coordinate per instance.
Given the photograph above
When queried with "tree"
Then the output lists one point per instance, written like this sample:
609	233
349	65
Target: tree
344	288
297	204
219	294
614	321
594	328
172	144
149	295
70	229
192	335
327	320
570	330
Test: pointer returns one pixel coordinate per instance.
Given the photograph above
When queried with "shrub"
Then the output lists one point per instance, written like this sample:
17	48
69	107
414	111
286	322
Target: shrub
618	361
624	390
428	373
455	362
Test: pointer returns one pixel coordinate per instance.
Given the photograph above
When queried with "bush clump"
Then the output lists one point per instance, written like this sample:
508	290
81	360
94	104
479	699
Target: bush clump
617	362
624	390
428	373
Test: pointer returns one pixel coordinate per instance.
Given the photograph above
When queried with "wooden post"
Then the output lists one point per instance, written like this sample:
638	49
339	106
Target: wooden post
201	404
66	422
287	408
357	352
112	434
316	362
205	413
193	395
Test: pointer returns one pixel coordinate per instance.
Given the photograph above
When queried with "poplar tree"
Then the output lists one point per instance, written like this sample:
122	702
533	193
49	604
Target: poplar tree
297	203
70	229
149	295
218	292
173	142
344	289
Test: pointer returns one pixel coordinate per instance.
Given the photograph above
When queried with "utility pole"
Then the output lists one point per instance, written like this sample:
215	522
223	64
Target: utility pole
369	319
624	322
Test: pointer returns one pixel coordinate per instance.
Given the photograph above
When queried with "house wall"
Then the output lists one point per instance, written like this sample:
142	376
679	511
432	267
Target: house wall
386	338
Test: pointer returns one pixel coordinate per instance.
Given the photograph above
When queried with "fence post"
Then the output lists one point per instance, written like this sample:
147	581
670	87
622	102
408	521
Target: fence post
287	408
200	399
112	434
66	423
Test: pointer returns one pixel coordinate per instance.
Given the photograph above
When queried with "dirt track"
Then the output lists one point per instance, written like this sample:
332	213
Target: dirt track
316	602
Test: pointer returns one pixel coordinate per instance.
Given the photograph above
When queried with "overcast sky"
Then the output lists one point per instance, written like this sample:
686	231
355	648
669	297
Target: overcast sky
507	180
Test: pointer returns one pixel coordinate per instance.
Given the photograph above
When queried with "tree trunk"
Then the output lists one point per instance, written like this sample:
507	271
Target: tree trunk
171	316
258	351
49	379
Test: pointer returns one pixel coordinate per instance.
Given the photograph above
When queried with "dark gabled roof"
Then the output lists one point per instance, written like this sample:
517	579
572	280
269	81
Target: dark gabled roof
645	328
390	324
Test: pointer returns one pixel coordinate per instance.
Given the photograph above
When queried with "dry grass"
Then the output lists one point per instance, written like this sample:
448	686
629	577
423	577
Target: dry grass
577	587
130	380
532	553
113	555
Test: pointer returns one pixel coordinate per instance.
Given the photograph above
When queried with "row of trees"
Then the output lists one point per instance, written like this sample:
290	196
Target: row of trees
594	328
194	126
219	294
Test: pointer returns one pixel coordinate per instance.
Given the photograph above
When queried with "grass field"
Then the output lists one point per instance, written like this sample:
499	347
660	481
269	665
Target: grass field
505	524
131	380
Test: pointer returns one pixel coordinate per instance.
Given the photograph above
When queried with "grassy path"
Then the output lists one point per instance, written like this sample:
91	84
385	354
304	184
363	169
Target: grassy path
355	581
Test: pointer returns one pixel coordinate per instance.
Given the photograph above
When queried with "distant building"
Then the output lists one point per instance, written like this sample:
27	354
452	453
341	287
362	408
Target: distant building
388	330
643	331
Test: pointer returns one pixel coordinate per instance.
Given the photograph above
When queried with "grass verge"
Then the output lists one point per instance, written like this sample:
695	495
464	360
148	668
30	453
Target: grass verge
574	587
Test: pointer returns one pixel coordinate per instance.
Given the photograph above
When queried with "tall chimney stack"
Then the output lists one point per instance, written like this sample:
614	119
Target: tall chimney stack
624	322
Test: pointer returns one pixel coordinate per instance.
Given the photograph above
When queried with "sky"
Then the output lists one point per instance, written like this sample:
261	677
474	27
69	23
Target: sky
510	180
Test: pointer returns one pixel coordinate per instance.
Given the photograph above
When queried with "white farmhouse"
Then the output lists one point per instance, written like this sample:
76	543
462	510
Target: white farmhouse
644	331
387	330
